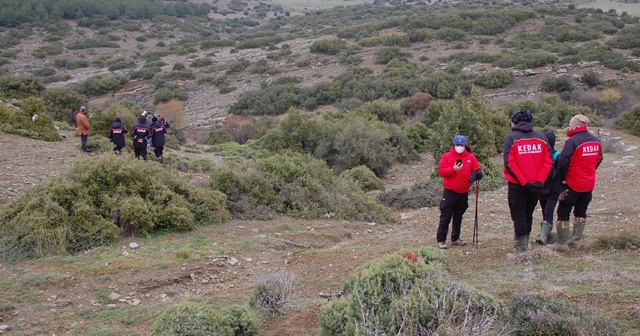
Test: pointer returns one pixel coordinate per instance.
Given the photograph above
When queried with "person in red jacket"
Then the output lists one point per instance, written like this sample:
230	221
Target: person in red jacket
577	164
527	163
458	168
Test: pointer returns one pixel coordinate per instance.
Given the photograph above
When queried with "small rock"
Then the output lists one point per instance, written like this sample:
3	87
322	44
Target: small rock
114	296
232	261
134	246
134	302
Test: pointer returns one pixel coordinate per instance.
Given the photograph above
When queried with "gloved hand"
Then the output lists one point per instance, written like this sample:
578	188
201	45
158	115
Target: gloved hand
533	186
476	176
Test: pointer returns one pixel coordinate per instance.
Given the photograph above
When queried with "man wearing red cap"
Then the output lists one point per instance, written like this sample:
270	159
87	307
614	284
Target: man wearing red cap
577	164
526	166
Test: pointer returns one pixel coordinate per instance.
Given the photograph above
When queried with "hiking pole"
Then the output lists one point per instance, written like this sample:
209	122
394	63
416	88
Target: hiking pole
475	224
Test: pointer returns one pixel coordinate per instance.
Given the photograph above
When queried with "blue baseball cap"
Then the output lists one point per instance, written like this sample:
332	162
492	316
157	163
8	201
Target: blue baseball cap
460	140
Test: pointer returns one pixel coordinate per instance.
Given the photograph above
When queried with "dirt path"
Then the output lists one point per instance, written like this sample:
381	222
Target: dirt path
26	162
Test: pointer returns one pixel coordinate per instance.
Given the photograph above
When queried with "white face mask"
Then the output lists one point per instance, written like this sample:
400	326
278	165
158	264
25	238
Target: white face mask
459	149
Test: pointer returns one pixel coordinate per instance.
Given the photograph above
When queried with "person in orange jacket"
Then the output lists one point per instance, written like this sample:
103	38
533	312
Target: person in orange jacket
82	128
458	168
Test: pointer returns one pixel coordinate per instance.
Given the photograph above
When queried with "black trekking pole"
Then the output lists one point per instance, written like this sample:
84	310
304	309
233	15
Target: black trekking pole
475	224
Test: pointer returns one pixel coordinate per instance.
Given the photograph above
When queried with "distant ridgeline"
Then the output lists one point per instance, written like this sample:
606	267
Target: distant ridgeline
15	13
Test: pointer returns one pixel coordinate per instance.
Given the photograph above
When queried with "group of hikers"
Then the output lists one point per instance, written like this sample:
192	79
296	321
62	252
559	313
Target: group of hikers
535	172
143	134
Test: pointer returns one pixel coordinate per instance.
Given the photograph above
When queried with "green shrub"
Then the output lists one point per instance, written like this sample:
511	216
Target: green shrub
329	47
198	319
364	177
20	86
217	136
495	79
96	200
409	293
532	314
557	84
296	185
62	104
630	121
21	121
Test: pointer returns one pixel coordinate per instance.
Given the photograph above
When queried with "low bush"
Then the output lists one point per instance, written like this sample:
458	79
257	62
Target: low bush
199	319
409	293
295	185
20	86
630	121
98	199
495	79
29	121
532	314
62	104
364	177
274	290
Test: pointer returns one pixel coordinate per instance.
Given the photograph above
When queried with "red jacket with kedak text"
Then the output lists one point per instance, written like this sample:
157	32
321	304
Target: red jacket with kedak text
526	155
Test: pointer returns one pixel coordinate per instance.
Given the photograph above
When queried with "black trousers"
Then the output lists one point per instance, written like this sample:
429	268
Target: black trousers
548	205
522	204
452	206
83	142
578	201
140	152
158	151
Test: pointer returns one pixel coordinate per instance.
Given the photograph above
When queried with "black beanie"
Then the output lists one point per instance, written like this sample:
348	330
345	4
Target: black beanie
154	119
118	120
551	138
520	116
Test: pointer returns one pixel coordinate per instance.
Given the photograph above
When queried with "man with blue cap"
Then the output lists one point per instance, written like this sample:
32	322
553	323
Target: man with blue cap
459	169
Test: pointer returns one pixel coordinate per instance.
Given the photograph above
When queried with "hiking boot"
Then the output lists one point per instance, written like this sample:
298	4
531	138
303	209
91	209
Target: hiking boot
578	231
563	237
545	229
459	242
442	245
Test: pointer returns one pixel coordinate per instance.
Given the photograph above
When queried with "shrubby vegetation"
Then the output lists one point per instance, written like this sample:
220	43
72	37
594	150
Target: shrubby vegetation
21	121
296	185
531	314
202	319
99	199
495	79
20	86
409	293
16	13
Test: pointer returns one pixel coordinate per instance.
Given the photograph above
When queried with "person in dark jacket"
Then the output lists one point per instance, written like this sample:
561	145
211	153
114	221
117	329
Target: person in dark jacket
526	165
140	132
116	135
577	164
157	131
458	168
549	193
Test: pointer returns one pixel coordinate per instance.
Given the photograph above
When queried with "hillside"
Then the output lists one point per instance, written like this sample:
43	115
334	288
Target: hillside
69	294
